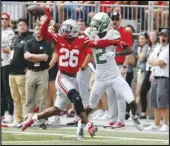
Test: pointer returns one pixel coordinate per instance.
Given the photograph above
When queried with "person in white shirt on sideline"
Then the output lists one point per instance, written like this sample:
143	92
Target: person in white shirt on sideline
7	35
159	59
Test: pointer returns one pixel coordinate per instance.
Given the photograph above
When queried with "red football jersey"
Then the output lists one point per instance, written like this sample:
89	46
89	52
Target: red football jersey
126	37
71	55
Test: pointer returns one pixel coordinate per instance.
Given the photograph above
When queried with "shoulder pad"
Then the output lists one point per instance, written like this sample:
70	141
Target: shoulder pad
113	34
89	32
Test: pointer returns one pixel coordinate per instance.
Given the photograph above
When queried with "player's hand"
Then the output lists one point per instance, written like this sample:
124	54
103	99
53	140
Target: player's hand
48	13
120	43
123	44
107	55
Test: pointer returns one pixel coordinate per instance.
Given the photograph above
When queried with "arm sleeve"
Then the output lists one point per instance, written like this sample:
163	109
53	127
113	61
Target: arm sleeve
100	43
154	53
44	31
48	49
165	56
27	47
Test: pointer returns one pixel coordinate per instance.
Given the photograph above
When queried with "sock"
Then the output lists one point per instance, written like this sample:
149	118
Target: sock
35	117
80	125
143	114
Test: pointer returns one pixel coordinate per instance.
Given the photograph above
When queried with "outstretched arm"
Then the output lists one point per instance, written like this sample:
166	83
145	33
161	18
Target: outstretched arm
104	43
126	51
44	29
100	43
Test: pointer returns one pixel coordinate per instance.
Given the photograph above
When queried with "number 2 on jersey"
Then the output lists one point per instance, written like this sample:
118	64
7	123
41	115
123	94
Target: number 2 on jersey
68	58
102	51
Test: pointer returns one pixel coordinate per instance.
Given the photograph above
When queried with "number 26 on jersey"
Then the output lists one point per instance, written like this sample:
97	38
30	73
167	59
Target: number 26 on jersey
68	58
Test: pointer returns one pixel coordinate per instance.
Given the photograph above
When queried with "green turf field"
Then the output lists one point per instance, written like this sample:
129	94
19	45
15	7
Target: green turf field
66	136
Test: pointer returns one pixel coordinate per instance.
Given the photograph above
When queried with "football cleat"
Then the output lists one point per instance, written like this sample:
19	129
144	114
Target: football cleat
80	134
92	130
110	124
137	123
80	131
27	124
118	125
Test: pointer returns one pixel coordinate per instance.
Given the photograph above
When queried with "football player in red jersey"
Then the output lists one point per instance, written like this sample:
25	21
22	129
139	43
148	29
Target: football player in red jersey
69	46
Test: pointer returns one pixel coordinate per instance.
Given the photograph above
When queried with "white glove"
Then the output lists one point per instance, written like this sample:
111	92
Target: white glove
107	55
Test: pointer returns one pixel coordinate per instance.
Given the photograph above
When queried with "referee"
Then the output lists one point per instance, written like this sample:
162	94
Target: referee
37	52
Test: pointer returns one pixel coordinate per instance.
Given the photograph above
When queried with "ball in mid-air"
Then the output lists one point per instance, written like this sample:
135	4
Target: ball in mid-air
36	10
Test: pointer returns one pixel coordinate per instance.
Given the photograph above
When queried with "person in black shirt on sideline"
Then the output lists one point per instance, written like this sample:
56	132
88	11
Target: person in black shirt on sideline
37	52
17	71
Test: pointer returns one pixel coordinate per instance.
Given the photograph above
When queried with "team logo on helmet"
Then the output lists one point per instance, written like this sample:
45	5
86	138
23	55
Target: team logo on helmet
100	22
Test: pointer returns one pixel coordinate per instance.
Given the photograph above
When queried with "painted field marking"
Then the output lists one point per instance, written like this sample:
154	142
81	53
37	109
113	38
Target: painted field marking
69	135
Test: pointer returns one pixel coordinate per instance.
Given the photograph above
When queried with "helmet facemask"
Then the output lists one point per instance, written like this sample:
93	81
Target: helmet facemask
69	31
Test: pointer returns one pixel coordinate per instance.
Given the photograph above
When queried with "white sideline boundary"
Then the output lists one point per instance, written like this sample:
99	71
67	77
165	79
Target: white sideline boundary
69	135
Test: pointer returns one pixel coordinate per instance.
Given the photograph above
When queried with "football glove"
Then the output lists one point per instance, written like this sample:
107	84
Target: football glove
48	13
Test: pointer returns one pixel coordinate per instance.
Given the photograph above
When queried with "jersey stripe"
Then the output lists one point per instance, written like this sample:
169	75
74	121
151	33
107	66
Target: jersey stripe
60	83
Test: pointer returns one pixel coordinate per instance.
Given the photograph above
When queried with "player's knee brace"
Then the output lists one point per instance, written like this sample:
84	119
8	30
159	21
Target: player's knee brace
75	98
133	107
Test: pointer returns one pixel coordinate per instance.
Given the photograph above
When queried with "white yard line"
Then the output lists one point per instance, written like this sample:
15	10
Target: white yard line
57	140
69	135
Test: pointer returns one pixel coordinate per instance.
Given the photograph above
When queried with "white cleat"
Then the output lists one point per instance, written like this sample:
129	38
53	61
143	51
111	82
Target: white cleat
80	134
80	131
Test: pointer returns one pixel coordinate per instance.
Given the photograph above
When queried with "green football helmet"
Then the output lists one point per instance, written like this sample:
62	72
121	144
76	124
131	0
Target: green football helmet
100	22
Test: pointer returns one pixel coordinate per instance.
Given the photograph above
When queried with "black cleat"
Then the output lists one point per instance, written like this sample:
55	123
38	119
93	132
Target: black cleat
43	126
